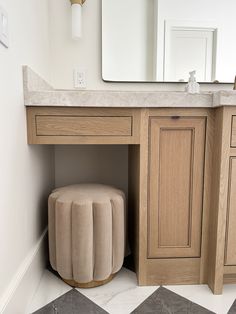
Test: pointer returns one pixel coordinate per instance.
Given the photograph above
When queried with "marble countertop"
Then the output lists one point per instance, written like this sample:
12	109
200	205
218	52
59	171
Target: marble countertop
38	92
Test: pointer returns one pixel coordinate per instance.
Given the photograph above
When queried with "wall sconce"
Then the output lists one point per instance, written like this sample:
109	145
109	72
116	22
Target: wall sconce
76	18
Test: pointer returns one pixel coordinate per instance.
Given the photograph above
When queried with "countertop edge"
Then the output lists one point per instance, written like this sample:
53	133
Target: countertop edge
38	93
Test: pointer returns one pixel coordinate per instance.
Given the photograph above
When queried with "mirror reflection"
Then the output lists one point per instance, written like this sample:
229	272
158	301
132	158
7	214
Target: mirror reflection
163	40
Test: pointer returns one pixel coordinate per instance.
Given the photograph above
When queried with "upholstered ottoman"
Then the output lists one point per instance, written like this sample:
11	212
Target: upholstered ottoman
86	233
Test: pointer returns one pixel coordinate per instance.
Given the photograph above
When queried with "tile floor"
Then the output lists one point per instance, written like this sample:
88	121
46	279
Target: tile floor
123	296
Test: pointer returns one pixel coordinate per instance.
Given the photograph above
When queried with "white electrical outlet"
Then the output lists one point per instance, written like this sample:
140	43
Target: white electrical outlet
4	33
80	80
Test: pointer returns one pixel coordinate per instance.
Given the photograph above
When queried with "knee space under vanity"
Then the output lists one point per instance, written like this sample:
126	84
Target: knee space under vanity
113	165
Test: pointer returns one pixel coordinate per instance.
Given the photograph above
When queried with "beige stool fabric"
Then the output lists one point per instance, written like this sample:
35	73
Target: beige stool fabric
86	231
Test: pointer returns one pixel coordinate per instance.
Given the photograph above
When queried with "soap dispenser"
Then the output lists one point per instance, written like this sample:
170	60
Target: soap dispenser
192	87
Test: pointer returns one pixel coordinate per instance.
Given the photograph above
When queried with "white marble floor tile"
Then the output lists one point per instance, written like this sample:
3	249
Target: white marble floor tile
203	296
50	288
121	295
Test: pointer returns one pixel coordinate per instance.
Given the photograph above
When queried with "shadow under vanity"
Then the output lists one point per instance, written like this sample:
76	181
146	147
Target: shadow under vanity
182	172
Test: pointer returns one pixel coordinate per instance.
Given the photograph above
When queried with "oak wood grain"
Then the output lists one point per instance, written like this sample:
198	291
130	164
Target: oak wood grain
219	197
180	270
206	217
173	271
83	126
233	132
177	149
230	245
57	125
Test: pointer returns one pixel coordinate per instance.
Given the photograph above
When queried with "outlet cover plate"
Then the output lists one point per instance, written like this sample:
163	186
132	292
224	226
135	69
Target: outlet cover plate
80	78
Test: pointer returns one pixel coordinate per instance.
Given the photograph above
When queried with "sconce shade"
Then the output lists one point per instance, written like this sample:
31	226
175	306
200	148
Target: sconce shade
76	19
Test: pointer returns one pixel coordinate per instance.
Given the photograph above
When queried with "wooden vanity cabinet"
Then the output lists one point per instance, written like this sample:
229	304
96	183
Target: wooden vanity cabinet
176	171
174	195
222	245
170	183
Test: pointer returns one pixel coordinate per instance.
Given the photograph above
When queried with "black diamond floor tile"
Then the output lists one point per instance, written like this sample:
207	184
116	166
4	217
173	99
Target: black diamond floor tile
164	301
73	302
233	308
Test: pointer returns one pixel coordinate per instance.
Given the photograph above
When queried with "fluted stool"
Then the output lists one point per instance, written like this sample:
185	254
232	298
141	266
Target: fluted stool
86	233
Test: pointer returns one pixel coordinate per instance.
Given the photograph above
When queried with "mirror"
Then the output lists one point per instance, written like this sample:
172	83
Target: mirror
163	40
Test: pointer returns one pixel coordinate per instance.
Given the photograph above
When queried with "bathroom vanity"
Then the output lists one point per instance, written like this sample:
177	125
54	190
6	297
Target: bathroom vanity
182	171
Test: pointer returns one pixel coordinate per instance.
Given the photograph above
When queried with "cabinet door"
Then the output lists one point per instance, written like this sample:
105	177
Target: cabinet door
176	170
230	251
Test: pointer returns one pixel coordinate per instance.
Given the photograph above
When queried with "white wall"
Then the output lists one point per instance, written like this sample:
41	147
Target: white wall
26	171
106	164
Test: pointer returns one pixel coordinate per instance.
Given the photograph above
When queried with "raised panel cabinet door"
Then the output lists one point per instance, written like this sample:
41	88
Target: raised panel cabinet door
230	251
176	171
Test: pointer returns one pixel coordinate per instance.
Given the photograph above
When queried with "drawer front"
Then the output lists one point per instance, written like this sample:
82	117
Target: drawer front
83	126
233	132
72	125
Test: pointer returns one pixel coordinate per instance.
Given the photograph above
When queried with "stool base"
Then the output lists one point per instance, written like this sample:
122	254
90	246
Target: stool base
91	284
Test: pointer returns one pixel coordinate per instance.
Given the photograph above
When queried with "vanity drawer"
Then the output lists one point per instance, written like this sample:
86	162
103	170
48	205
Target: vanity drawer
59	125
233	132
83	126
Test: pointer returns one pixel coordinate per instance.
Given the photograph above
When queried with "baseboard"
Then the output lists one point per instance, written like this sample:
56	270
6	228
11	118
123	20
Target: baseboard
24	284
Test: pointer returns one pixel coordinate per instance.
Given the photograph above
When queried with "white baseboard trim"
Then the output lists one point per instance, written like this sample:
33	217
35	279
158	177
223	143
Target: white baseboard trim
23	285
